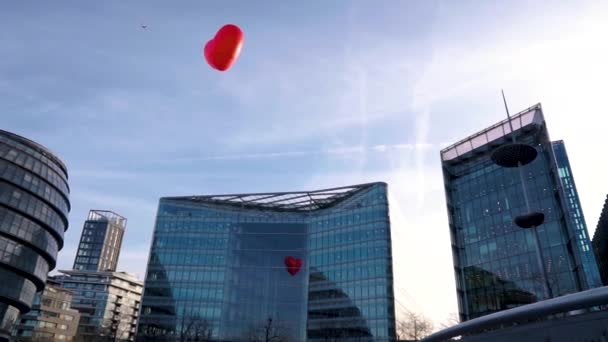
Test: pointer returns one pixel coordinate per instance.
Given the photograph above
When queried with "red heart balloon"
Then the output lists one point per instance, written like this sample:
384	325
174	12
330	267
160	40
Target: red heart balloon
293	265
221	51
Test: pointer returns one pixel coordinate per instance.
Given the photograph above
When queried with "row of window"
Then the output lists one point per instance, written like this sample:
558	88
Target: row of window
54	303
34	164
31	205
183	242
491	228
556	259
367	312
210	311
353	291
482	164
358	270
198	212
171	224
175	225
101	287
94	228
500	183
33	152
15	287
186	275
89	252
372	250
525	273
41	335
481	208
25	229
509	245
51	314
23	258
185	257
51	325
85	245
86	260
351	235
176	293
282	241
378	213
39	186
95	239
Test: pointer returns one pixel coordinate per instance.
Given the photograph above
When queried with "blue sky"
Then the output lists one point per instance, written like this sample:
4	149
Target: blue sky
325	93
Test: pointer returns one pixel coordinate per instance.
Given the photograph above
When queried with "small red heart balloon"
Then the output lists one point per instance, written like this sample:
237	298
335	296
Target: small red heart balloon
221	51
293	265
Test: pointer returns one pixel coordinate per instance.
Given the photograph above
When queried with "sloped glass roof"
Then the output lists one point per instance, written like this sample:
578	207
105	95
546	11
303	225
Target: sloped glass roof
283	201
524	118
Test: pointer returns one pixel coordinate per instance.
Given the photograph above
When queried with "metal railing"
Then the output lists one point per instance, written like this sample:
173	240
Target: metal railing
575	301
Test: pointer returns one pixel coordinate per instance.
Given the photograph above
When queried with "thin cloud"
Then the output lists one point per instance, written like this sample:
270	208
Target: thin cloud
303	153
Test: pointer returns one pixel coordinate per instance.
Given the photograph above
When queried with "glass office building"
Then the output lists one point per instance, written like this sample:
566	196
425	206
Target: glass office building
100	241
34	206
298	266
495	261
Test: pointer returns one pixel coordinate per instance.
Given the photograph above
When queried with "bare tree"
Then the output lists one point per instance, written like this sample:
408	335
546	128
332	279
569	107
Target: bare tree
414	327
194	328
271	331
451	320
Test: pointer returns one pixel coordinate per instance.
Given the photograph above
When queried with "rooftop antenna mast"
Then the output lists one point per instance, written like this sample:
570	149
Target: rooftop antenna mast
508	116
517	155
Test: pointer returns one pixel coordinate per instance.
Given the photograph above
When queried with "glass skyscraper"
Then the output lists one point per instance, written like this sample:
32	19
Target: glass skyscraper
495	261
34	208
298	266
100	241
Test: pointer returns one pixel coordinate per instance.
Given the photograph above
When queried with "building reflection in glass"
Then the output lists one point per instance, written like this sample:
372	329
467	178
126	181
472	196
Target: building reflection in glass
491	293
332	314
217	268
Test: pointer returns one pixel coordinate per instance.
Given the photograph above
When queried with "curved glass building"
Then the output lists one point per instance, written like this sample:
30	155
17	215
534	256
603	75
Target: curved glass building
34	206
298	266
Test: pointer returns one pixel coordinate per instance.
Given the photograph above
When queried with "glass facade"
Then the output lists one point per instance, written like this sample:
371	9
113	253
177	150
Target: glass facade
108	303
298	266
100	241
494	260
574	214
34	206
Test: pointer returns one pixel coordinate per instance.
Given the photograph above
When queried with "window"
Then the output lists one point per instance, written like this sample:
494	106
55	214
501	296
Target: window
44	334
43	324
25	333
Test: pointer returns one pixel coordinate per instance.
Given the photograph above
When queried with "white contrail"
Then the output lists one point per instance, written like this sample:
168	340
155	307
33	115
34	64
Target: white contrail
289	154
